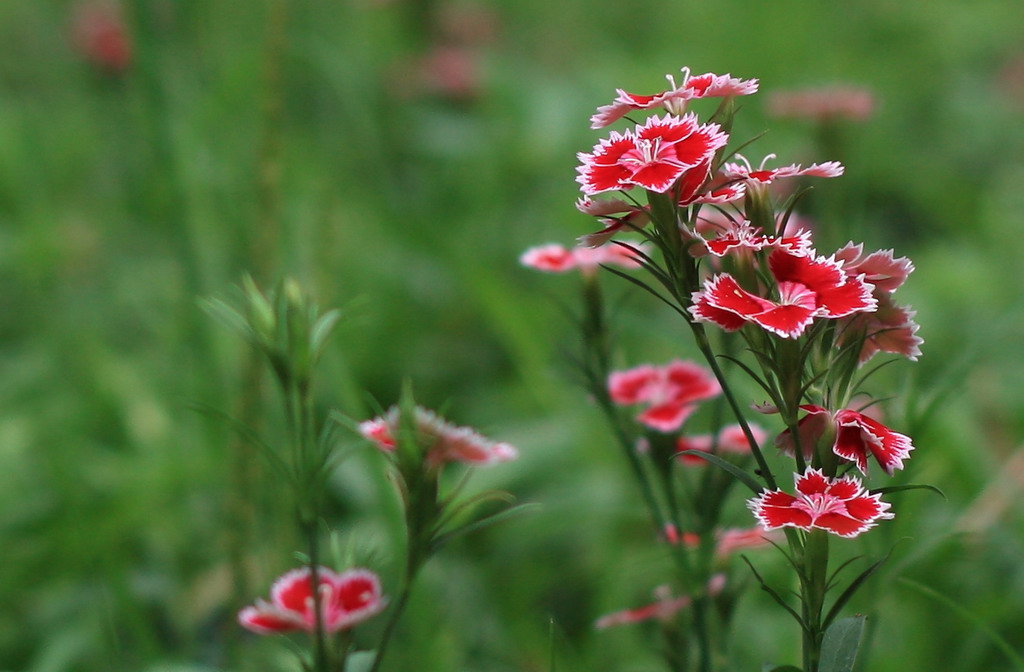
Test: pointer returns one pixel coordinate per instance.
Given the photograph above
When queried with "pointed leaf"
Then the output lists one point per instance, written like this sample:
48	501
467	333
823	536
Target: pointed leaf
841	644
978	623
775	596
482	523
741	475
851	589
910	486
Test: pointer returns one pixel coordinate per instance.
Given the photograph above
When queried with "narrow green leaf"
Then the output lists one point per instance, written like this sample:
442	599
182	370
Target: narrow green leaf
997	639
910	486
841	644
772	667
322	330
851	589
249	435
742	476
775	596
750	372
487	521
649	289
360	661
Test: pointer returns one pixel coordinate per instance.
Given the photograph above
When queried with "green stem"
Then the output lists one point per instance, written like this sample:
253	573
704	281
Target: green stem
396	615
812	595
704	345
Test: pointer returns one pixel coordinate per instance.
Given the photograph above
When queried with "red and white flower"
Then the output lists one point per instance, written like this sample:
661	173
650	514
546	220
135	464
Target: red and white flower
555	258
443	441
654	156
881	268
858	437
807	288
614	214
722	235
891	328
670	392
765	176
675	98
346	599
840	506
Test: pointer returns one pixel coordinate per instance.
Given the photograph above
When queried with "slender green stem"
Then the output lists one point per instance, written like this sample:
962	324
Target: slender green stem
396	614
704	346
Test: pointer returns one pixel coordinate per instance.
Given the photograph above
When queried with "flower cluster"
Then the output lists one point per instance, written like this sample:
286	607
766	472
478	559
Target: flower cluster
346	600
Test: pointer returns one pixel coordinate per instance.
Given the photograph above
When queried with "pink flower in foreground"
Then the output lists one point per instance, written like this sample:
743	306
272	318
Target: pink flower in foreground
669	391
808	287
346	599
674	99
840	506
858	437
558	259
762	175
654	156
443	441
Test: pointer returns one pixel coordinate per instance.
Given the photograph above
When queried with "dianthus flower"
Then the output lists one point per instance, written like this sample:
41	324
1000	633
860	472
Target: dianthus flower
654	156
443	441
555	258
891	328
840	506
858	437
765	176
674	100
722	235
669	391
808	287
346	599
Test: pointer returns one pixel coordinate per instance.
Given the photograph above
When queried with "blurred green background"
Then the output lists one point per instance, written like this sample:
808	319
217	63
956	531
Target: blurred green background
397	156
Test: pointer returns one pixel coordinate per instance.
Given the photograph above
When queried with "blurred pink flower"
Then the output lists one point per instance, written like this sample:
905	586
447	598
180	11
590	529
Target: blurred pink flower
346	599
443	441
731	439
101	37
823	104
555	258
670	392
664	608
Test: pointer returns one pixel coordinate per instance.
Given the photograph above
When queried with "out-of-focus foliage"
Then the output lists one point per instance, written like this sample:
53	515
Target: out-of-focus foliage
398	155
